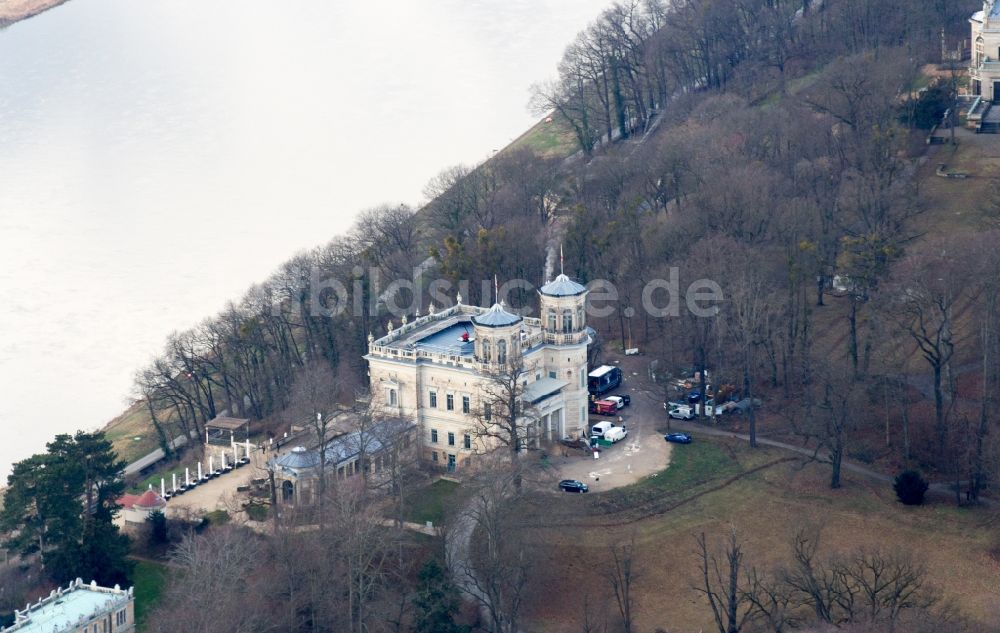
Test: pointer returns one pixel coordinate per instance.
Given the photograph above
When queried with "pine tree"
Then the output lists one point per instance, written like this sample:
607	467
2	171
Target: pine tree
436	602
61	505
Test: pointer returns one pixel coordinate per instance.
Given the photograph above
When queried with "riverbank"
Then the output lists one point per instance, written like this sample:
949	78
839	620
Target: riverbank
12	11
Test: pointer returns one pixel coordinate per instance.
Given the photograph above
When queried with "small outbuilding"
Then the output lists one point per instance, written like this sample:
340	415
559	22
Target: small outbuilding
226	431
137	508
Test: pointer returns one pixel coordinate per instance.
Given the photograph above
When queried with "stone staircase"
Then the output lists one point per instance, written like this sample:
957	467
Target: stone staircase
991	121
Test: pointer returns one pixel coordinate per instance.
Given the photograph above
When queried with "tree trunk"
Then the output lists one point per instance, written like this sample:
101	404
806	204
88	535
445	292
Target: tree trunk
939	425
853	339
836	459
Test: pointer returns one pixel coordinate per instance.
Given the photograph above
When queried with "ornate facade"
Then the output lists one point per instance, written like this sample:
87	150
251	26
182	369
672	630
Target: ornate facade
984	69
434	370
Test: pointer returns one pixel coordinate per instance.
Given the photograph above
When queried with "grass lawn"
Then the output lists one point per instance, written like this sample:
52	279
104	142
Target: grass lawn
132	434
550	140
150	579
766	506
154	479
430	503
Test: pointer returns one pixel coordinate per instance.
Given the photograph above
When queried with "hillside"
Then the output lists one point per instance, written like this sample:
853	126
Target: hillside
772	151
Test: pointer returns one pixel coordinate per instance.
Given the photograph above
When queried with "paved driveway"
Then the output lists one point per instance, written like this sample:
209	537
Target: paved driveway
639	455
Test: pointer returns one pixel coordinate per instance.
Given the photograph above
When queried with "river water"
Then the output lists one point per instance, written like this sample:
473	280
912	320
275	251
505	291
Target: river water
157	158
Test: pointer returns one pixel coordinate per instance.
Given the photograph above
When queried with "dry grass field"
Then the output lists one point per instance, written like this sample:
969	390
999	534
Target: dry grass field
766	507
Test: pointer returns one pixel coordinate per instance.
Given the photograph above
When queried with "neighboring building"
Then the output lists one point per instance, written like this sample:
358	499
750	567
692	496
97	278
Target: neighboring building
984	71
296	473
433	370
137	508
79	608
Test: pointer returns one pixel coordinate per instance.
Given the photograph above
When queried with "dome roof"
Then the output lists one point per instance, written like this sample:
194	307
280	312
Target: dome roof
149	499
496	316
562	286
299	458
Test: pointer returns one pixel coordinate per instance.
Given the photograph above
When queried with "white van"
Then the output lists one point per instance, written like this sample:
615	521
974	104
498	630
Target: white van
615	434
618	400
599	429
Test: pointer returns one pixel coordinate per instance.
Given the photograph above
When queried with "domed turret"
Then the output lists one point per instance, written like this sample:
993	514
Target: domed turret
497	316
562	303
498	335
562	286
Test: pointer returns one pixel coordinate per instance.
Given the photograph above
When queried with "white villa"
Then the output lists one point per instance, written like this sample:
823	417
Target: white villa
984	71
432	370
78	608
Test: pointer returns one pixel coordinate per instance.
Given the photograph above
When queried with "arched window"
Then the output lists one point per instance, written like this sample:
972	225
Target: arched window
487	351
502	352
579	318
515	346
979	50
552	320
392	397
567	321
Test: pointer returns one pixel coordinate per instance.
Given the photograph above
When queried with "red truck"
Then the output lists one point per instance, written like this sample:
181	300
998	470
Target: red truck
605	407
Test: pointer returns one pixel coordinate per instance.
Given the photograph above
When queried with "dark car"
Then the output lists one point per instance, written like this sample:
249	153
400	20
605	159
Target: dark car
678	438
572	485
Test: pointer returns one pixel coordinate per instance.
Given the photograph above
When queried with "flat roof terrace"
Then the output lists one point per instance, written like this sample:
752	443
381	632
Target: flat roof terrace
441	336
69	608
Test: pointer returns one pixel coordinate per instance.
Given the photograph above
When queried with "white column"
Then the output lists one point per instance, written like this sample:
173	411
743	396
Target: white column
163	488
174	475
199	472
187	477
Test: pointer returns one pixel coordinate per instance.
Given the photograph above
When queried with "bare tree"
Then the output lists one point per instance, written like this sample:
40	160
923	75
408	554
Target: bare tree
928	286
219	580
867	586
747	323
313	400
502	416
724	585
621	575
496	570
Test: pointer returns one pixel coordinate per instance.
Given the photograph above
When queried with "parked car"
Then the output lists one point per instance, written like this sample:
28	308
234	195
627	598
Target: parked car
615	434
678	438
572	485
599	429
681	413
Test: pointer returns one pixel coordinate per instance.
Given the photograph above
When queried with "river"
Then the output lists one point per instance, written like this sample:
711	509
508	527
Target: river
157	158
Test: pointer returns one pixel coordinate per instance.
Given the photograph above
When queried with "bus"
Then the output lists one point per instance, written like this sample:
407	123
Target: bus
604	379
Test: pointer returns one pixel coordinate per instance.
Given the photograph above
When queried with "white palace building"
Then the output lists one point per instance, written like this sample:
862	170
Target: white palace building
432	370
984	70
